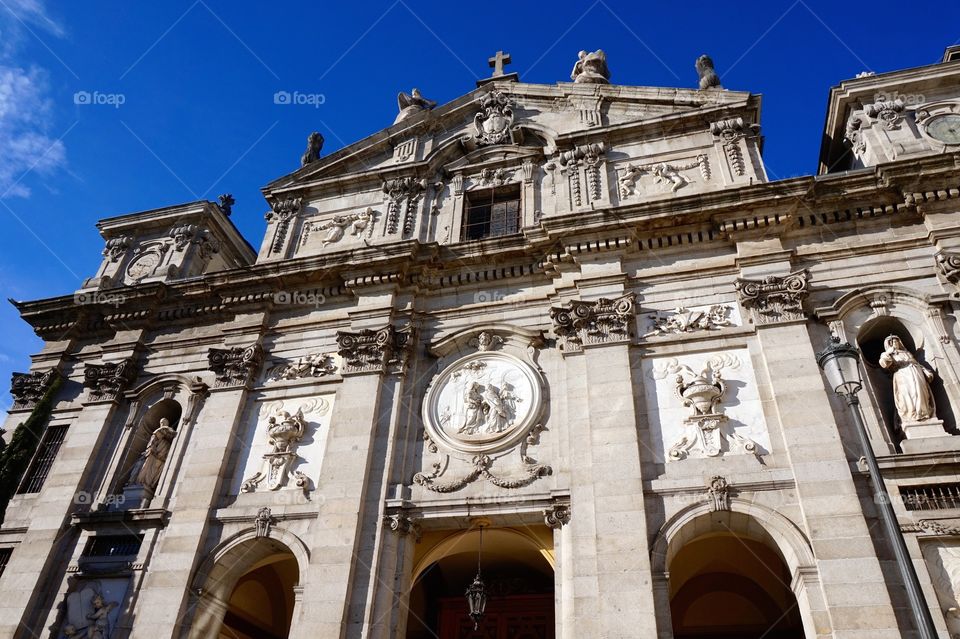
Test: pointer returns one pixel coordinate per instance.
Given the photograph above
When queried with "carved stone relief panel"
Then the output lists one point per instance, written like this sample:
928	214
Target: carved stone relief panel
284	446
358	226
688	321
93	608
705	405
478	411
638	180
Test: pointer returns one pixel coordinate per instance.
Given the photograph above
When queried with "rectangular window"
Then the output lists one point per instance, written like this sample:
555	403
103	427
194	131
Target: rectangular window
4	558
931	496
43	460
113	546
492	213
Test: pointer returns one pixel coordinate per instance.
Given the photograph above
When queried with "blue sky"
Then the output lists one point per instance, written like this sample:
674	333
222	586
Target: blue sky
181	94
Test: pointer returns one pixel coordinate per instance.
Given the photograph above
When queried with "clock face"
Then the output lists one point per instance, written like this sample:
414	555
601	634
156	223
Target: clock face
945	128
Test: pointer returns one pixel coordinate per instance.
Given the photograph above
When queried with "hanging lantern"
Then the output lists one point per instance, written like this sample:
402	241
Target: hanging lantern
477	600
477	591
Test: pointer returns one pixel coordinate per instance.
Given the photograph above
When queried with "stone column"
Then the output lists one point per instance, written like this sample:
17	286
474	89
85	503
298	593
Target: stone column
607	578
853	584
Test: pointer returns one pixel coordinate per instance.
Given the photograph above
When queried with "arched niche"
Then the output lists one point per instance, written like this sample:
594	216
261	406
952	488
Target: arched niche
867	316
690	539
174	398
517	567
249	583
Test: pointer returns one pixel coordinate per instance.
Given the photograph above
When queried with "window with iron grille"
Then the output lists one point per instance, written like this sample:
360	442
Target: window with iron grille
113	546
4	558
931	496
492	213
43	460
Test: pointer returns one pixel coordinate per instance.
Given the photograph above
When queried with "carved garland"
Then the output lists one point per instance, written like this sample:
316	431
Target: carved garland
531	469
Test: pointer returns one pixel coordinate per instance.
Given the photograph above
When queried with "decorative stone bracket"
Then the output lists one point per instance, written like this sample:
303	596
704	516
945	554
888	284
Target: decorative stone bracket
775	298
28	388
948	263
557	516
235	366
283	212
718	493
402	523
582	324
584	163
728	134
108	381
402	194
374	351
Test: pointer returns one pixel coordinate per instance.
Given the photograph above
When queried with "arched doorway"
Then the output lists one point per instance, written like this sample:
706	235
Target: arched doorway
261	604
248	587
725	585
517	571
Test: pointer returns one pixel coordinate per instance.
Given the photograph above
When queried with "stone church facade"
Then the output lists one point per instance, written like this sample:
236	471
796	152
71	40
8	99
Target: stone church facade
563	335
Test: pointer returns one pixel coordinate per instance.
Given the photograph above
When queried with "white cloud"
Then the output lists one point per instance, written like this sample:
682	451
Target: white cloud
25	105
24	144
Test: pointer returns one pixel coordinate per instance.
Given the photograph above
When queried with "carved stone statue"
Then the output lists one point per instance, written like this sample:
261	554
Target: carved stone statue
146	470
708	75
412	103
88	613
912	394
314	144
591	68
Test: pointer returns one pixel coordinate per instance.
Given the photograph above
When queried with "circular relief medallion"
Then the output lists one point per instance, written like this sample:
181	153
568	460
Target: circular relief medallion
483	403
143	266
945	128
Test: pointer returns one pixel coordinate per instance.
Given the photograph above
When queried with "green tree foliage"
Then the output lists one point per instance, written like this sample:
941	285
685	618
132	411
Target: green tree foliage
16	455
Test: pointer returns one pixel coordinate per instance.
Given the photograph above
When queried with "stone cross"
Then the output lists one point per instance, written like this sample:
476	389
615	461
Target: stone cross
498	61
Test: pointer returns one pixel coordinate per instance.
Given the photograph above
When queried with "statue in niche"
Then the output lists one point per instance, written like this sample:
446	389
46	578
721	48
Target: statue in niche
412	103
708	75
88	614
146	470
912	394
591	68
312	154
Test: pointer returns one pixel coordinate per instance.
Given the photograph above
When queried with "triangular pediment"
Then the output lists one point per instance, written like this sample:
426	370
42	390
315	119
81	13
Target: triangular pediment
548	117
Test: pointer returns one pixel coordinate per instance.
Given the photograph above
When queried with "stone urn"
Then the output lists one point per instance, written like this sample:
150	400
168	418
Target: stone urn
701	393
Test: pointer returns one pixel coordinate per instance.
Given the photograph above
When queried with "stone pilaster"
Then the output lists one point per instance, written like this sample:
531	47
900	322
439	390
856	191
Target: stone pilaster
605	587
336	569
853	584
164	598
